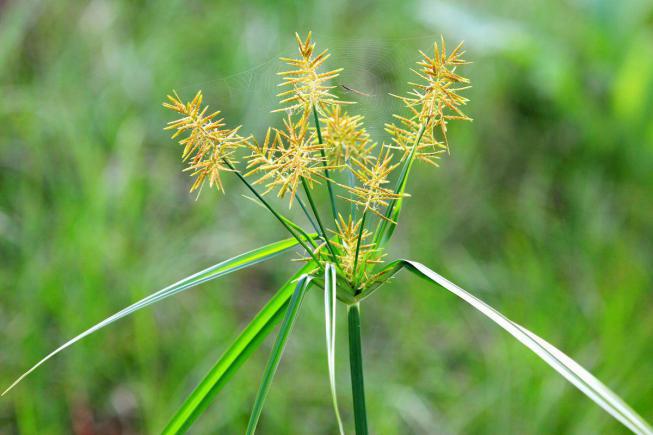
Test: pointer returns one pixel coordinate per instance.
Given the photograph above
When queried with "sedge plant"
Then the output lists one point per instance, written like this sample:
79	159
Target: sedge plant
321	144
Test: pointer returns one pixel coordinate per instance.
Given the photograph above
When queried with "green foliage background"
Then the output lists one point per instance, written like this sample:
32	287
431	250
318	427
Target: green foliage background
544	209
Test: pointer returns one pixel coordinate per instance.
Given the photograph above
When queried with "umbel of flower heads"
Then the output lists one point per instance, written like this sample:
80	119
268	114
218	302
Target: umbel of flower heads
320	144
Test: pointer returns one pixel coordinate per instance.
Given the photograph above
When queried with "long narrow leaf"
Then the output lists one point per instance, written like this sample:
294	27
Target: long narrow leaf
381	277
248	340
330	325
236	263
388	225
279	345
568	368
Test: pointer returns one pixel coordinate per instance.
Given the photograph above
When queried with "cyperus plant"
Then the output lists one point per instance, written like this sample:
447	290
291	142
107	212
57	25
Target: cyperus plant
321	145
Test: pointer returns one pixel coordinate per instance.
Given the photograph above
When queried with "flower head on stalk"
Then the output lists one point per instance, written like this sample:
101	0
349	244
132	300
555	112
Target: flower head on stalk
345	137
437	99
348	233
372	194
308	88
207	144
292	155
406	135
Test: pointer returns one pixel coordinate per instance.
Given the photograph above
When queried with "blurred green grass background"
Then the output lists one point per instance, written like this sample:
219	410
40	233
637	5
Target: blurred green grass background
544	209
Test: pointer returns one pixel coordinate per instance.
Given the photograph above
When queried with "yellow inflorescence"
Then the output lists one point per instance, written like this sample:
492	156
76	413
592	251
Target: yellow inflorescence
345	138
432	103
293	155
404	138
346	243
371	194
319	136
308	88
208	146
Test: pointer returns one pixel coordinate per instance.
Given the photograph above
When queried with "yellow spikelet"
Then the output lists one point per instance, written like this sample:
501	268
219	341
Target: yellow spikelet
208	146
371	193
345	137
433	102
308	87
291	156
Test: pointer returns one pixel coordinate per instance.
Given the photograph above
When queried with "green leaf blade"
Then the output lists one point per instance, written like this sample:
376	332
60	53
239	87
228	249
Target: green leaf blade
277	351
563	364
249	339
216	271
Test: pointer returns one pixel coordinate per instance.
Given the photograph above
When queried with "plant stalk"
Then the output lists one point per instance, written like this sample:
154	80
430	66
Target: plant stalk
319	221
356	365
272	210
358	246
307	214
332	197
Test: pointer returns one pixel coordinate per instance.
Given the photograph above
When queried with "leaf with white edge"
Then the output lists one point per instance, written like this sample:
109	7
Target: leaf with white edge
233	264
330	325
230	361
564	365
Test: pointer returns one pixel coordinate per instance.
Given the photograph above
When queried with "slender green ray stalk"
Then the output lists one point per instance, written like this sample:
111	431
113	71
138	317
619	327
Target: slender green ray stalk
319	221
351	182
356	365
564	365
332	197
307	214
276	214
275	357
227	365
358	244
330	326
293	225
300	230
223	268
386	226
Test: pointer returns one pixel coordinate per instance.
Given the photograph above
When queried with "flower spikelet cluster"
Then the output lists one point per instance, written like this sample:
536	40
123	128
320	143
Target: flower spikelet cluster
432	103
208	145
345	138
371	193
291	156
346	242
408	133
308	87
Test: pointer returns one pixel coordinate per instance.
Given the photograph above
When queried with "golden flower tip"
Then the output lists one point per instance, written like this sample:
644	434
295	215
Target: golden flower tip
372	194
433	102
284	160
308	87
208	146
345	137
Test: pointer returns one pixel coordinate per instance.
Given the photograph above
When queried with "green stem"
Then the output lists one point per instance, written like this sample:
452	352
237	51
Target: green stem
308	215
358	246
272	210
332	197
319	221
301	231
356	365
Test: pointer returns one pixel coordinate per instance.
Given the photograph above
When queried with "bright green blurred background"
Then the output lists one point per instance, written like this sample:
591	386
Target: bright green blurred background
544	209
